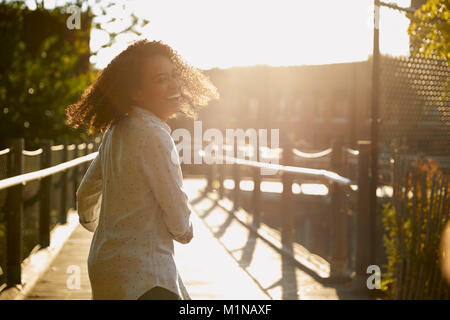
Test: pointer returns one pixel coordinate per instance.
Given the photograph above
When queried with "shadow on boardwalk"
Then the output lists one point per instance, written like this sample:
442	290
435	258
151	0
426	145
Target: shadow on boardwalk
279	275
225	260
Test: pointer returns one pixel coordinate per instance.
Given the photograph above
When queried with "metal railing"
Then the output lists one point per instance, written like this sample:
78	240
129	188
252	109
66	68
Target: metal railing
13	186
341	187
40	174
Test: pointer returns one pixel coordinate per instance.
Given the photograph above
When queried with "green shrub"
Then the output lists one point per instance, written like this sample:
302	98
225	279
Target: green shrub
414	222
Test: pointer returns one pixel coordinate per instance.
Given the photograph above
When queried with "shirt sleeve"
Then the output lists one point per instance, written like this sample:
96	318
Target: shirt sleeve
89	195
161	168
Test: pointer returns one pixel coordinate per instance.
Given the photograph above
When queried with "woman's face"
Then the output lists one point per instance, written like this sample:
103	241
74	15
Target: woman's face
159	90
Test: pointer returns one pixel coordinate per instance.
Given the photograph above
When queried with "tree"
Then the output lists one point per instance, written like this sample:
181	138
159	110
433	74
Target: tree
429	29
429	32
46	67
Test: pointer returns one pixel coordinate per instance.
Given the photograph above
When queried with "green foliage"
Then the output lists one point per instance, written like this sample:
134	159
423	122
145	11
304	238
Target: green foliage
429	29
106	17
391	244
45	68
429	32
413	234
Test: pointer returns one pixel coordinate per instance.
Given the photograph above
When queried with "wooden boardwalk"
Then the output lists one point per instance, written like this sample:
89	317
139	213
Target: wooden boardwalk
225	260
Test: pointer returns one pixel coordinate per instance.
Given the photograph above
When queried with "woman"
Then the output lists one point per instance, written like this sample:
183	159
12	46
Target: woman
132	194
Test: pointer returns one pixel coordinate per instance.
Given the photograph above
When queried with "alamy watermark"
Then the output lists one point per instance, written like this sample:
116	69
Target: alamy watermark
74	20
220	149
374	280
73	281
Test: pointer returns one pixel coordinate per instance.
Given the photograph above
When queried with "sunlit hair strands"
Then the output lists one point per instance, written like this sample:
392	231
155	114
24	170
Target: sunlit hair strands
108	98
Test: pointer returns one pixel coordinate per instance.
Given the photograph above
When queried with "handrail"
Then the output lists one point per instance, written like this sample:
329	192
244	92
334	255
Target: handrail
351	151
32	153
4	151
27	177
36	175
321	173
309	155
57	148
314	155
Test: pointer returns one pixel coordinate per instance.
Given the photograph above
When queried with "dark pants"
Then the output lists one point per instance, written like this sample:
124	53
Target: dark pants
159	293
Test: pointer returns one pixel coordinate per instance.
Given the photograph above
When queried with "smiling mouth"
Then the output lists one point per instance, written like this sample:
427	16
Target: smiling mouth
174	97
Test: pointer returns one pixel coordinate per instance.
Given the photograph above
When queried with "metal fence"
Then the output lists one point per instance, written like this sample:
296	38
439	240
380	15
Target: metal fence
3	195
43	202
413	128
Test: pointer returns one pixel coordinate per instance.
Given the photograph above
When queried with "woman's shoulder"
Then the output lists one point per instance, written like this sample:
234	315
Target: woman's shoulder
143	131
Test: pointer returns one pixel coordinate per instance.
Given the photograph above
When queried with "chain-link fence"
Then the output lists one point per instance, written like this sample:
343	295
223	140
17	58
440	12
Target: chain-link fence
413	144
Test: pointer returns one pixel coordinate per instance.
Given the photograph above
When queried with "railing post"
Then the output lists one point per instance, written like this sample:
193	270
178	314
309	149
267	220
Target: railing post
339	221
209	176
75	177
45	194
94	142
363	215
221	170
63	213
86	152
286	214
256	199
256	195
14	216
236	177
97	141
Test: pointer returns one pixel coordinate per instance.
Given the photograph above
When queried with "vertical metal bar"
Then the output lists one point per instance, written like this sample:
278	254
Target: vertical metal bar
75	177
438	233
363	213
210	168
256	194
445	204
96	144
410	249
423	182
14	216
421	284
339	227
353	107
45	194
236	176
62	214
221	170
256	199
401	232
374	130
209	176
286	213
86	152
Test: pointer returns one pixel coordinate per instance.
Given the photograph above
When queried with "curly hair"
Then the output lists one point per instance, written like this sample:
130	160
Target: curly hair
108	98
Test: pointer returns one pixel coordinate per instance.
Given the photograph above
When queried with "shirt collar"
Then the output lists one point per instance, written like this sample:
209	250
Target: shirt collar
150	116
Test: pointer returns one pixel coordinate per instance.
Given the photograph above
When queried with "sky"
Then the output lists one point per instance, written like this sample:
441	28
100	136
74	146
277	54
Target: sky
226	33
